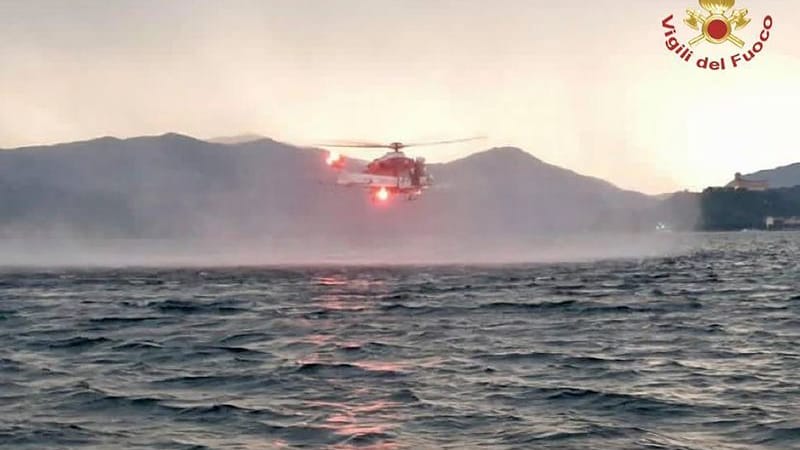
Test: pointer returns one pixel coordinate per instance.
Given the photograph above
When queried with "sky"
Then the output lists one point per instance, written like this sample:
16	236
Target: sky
586	85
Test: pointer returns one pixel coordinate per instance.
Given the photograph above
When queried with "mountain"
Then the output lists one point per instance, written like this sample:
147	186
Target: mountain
514	192
781	177
237	139
174	188
160	186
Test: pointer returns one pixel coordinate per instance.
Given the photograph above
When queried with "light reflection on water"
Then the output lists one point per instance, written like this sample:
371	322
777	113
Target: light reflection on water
364	421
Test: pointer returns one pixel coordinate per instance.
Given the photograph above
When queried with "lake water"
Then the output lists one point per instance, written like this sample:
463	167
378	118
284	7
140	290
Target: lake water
694	351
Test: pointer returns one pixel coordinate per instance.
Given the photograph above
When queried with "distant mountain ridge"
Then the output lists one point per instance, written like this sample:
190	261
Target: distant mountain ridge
779	177
237	139
174	186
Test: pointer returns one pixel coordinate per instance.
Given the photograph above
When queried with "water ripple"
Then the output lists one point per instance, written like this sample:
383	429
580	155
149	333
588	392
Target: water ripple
695	351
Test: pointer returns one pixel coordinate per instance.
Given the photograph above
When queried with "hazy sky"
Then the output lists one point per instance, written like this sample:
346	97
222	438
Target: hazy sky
587	85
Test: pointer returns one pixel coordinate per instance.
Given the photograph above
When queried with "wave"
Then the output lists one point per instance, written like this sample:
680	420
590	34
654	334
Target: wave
196	307
346	370
78	342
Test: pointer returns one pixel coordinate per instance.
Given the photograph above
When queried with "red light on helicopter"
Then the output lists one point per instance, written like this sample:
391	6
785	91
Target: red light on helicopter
333	158
382	194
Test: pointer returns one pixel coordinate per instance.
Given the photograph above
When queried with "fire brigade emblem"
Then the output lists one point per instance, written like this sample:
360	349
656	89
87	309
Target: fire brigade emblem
717	23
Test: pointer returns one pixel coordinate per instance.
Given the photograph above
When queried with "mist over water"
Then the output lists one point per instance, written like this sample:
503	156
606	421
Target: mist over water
385	250
175	200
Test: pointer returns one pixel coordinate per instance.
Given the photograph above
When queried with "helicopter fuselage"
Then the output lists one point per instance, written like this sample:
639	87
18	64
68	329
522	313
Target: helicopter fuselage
392	174
396	164
391	164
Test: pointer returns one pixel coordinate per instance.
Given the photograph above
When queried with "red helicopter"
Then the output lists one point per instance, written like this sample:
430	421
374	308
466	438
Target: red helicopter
391	174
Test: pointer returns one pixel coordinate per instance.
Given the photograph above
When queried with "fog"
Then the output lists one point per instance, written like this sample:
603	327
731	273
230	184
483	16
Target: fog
175	200
146	253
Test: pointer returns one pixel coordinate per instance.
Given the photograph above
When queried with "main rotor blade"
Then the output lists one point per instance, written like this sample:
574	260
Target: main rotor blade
453	141
353	144
361	144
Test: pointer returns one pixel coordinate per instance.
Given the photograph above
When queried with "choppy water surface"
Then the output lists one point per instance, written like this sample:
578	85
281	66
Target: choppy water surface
691	352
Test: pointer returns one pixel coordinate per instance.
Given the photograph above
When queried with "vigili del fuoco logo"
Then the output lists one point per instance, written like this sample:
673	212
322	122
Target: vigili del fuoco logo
717	24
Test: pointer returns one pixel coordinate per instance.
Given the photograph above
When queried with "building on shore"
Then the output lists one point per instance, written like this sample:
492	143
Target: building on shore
782	223
741	183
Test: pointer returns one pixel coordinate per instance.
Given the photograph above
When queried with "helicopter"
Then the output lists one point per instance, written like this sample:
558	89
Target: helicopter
392	174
